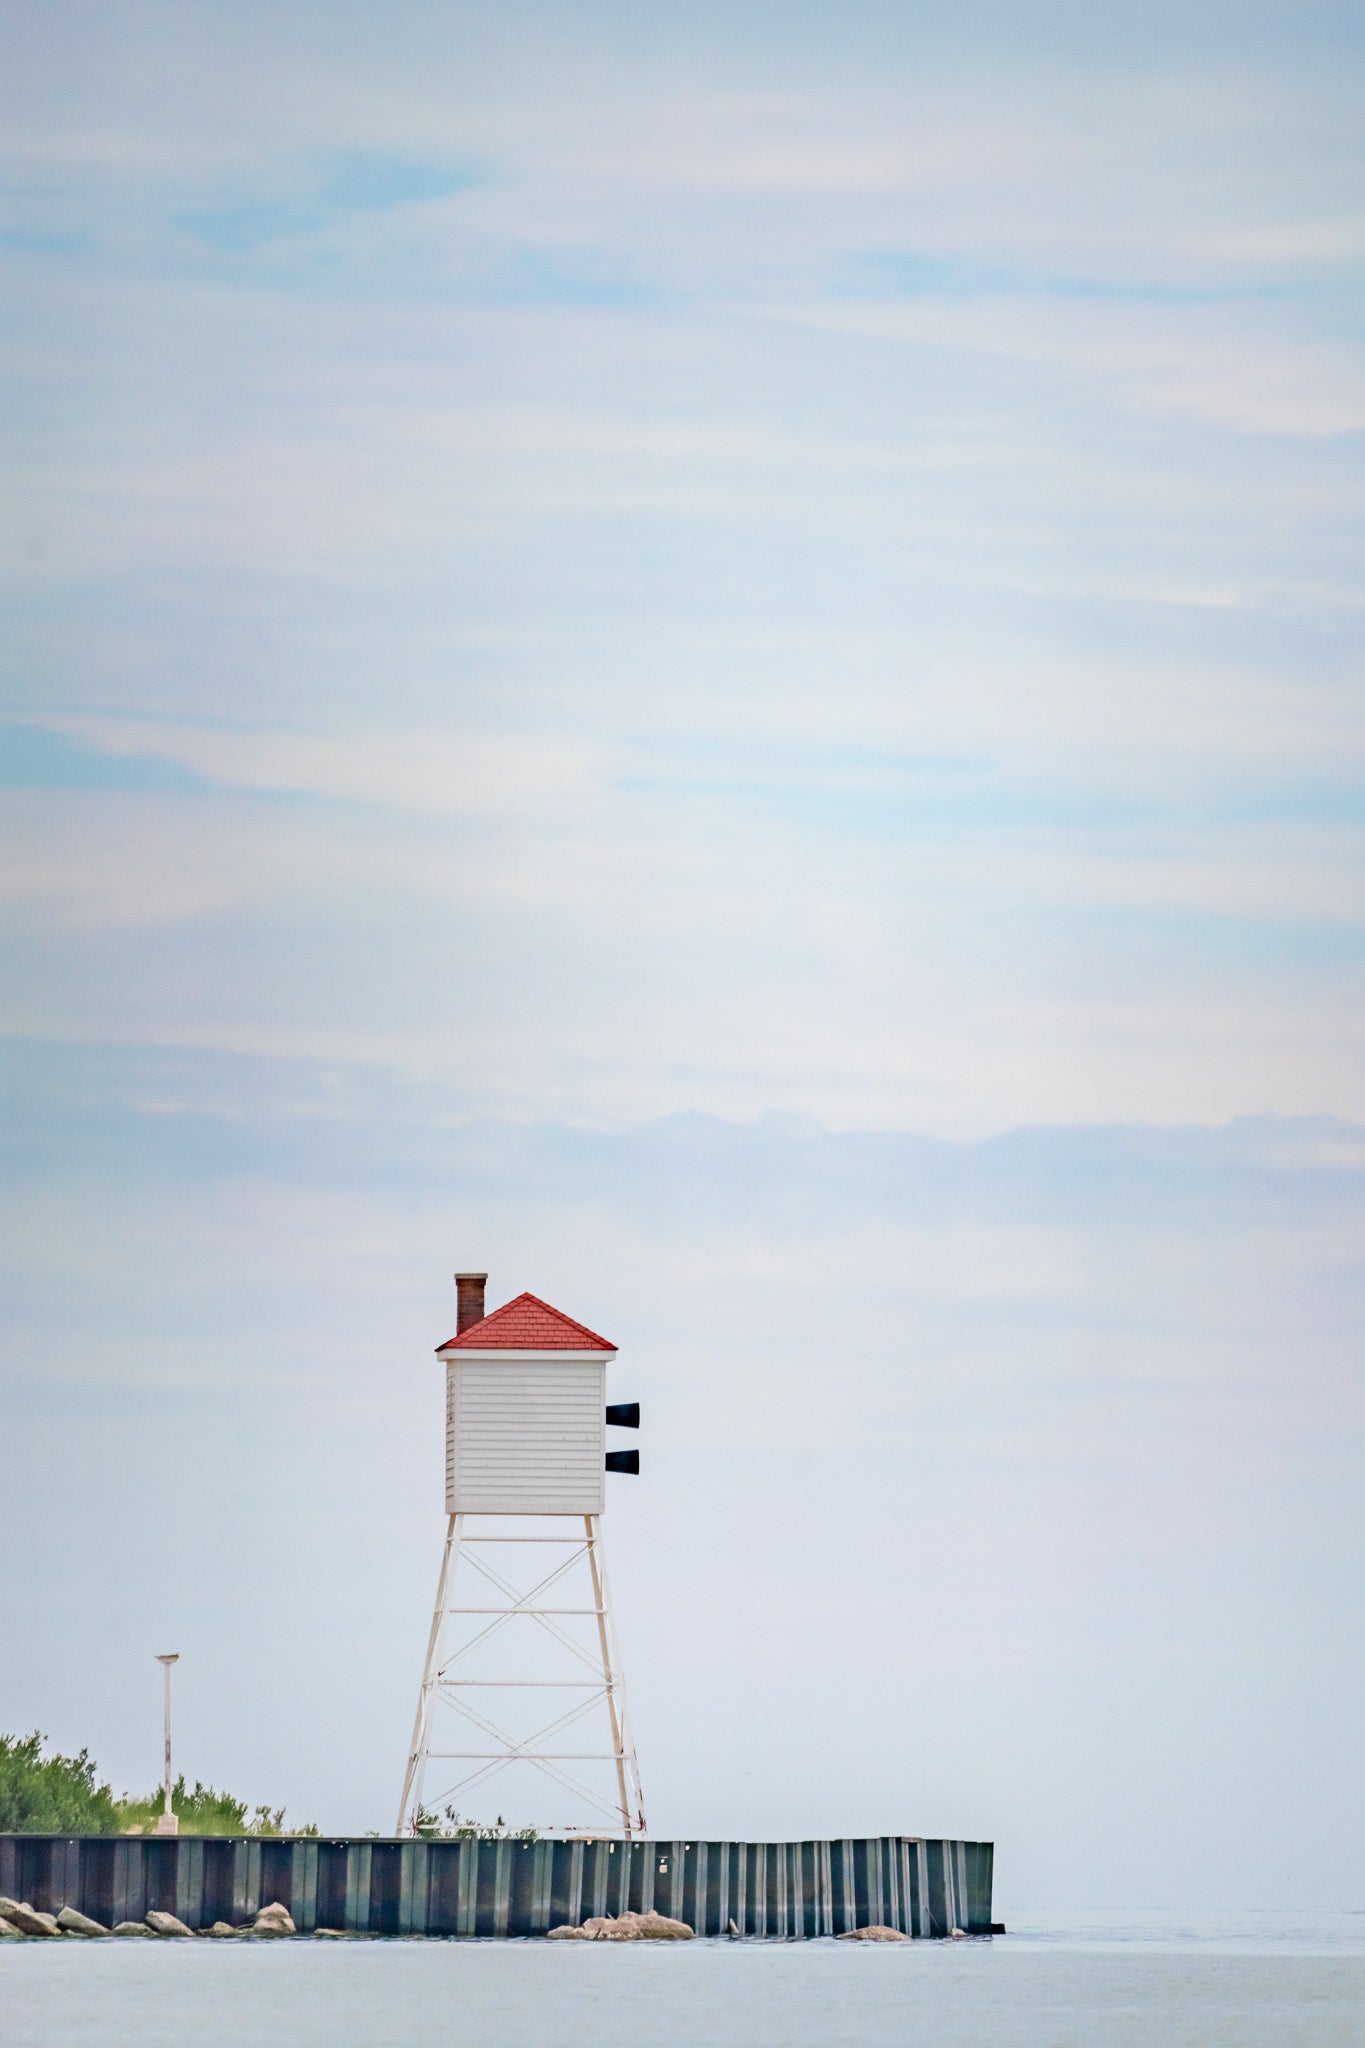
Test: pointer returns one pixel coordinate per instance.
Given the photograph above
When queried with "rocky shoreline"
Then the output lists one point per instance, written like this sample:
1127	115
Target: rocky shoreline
21	1922
25	1922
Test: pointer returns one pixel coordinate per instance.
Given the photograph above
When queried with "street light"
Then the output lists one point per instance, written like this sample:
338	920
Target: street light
166	1822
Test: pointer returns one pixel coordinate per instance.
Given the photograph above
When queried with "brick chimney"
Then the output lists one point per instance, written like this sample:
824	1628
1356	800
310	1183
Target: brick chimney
469	1297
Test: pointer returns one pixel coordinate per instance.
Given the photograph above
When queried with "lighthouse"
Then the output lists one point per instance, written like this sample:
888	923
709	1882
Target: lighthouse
526	1462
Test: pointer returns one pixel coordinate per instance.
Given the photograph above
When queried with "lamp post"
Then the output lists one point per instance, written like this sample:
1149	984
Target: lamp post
167	1822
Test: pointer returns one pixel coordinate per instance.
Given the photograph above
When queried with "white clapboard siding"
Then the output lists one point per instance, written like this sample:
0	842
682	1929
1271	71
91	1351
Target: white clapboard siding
524	1437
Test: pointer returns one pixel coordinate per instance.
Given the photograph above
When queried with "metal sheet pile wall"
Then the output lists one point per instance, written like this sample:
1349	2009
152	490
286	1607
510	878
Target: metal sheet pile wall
778	1890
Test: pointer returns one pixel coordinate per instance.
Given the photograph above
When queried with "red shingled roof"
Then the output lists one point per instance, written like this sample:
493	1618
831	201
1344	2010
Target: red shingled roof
528	1324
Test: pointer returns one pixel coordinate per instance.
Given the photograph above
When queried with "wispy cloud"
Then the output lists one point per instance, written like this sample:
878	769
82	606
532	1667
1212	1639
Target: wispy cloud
904	273
352	186
896	516
43	241
34	756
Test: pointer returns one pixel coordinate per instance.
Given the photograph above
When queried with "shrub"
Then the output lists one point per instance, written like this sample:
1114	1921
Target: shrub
58	1795
51	1795
448	1826
204	1811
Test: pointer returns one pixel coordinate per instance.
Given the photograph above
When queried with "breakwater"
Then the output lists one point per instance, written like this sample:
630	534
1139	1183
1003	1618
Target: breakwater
775	1890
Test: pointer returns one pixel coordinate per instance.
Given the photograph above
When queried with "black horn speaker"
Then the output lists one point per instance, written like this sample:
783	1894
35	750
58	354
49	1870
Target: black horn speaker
624	1414
623	1461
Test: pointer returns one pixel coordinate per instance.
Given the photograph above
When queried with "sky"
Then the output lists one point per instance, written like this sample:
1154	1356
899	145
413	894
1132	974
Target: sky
710	657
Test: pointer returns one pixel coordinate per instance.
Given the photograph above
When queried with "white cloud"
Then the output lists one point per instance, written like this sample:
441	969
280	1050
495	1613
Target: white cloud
444	771
1223	366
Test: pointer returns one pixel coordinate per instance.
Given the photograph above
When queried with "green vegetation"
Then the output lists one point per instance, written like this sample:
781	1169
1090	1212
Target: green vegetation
41	1795
204	1811
58	1795
448	1826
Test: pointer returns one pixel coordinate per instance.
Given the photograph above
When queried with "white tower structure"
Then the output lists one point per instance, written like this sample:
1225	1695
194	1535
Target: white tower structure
526	1460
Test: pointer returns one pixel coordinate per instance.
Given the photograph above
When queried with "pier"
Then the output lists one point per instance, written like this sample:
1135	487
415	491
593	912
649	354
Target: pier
509	1888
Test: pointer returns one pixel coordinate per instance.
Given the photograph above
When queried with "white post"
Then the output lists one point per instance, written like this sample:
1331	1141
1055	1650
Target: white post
167	1822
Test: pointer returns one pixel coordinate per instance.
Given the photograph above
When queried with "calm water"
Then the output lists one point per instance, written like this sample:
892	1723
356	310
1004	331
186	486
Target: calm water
1180	1982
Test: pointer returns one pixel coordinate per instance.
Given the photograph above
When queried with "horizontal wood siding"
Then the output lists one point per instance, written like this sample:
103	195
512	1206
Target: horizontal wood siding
524	1438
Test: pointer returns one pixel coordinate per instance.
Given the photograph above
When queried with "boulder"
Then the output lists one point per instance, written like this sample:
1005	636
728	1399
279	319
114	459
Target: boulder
568	1934
7	1906
637	1927
328	1934
166	1925
220	1931
658	1927
274	1919
27	1920
72	1922
874	1934
8	1931
130	1927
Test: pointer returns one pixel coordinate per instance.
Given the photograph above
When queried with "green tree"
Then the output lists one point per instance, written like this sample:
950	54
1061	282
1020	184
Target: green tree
51	1795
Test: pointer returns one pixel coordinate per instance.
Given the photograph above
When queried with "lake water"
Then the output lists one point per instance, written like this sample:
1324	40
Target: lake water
1150	1981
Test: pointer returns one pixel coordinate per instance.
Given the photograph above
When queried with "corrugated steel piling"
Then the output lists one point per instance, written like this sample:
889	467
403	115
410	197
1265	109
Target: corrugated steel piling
785	1891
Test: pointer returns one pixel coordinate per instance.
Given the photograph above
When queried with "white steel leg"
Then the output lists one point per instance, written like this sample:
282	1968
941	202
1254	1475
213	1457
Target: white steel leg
627	1769
413	1778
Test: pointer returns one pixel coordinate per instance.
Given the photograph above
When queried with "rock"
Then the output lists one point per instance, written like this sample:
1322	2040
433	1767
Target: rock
874	1934
72	1922
733	1931
130	1927
629	1927
274	1919
7	1906
636	1927
8	1931
568	1934
166	1925
27	1920
220	1931
328	1934
658	1927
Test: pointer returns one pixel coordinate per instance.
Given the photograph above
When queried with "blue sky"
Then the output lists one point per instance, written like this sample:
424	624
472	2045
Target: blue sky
611	606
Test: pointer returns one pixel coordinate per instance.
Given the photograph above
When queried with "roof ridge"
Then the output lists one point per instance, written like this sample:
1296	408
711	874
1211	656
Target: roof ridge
487	1330
564	1317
